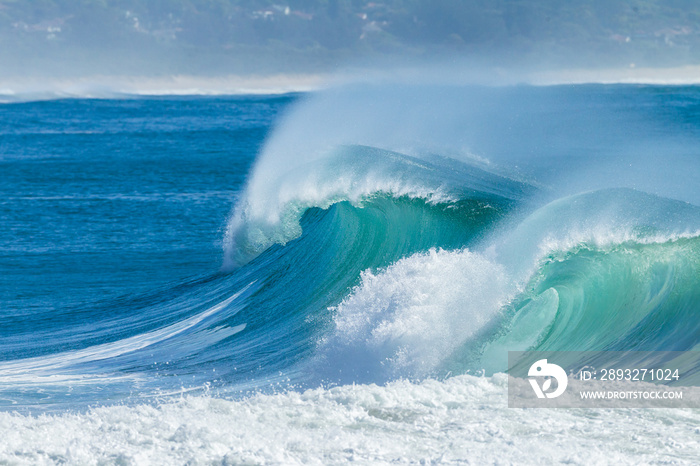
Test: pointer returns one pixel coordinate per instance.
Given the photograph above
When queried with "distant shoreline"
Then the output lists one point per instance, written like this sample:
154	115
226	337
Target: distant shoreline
179	85
98	86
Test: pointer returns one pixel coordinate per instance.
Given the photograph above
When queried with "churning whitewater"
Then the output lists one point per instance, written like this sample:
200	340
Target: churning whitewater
386	248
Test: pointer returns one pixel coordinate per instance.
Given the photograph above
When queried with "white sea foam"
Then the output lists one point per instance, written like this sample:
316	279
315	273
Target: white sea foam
405	320
461	420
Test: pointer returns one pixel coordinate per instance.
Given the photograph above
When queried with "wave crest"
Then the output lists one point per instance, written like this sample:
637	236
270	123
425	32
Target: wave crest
270	212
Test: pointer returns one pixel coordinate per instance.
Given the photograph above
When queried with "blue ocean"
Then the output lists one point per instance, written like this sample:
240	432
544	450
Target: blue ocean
335	276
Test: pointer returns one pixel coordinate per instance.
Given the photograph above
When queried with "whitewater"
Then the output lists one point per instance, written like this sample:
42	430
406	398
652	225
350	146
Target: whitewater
339	276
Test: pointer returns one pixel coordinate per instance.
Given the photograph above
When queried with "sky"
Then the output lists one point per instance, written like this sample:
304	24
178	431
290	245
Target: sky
70	39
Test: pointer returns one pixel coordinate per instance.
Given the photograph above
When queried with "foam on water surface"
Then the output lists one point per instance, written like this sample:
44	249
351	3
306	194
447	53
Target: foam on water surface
460	420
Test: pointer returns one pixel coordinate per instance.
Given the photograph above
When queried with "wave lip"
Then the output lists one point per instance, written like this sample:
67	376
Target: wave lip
599	218
270	210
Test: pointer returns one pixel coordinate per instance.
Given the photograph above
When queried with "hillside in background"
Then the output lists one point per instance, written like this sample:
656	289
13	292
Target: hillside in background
258	36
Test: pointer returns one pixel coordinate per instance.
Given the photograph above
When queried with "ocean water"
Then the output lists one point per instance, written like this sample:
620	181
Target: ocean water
338	276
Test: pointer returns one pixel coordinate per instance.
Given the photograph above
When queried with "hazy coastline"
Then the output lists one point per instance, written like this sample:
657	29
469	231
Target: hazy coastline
106	86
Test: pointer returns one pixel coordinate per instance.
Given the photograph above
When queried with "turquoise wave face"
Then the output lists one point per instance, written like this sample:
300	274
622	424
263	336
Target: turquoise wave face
632	296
